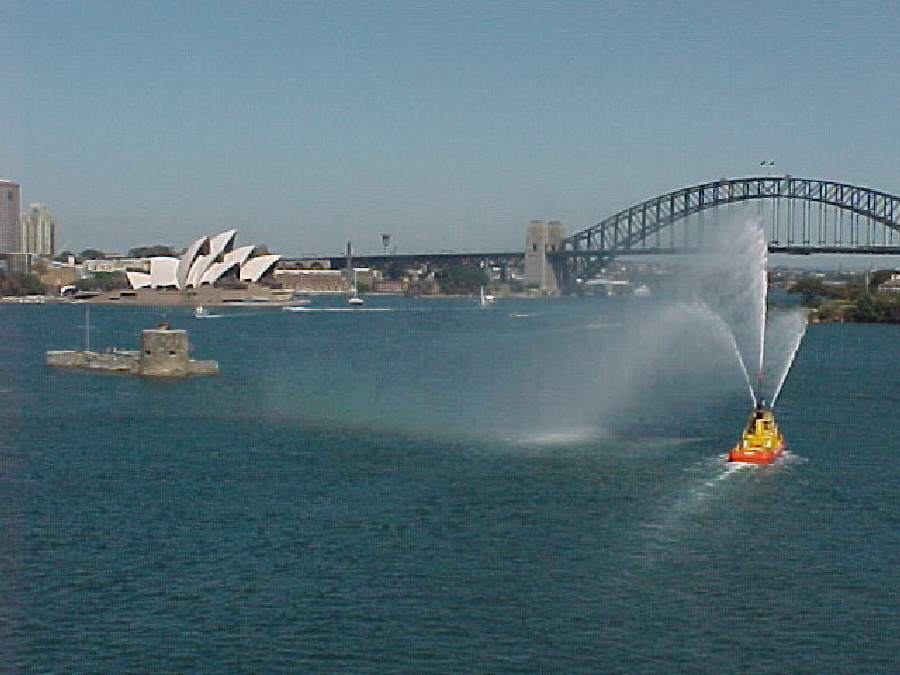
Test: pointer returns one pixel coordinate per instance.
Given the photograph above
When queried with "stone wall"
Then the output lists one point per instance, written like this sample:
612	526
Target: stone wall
110	361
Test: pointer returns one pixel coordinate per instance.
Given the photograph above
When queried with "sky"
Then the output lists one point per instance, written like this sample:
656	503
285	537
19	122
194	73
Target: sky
449	125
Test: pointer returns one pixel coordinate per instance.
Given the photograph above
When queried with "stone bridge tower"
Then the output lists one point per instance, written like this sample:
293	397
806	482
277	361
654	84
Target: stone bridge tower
541	238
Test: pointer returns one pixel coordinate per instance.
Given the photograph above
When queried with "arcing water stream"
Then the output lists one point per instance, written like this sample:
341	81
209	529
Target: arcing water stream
784	331
732	283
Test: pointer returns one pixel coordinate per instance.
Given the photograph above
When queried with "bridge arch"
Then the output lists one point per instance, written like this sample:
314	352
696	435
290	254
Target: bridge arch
637	228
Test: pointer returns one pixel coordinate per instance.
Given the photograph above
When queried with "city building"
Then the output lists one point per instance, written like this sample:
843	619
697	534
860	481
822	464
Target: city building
93	266
892	284
10	223
38	227
58	276
312	280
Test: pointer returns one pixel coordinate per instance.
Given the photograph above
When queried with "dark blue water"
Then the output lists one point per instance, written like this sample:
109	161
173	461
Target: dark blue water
538	487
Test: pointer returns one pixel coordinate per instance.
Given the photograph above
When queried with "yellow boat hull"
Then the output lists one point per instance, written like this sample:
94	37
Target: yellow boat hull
761	442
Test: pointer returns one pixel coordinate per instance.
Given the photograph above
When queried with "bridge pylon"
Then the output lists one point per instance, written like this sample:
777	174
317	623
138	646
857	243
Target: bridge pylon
542	239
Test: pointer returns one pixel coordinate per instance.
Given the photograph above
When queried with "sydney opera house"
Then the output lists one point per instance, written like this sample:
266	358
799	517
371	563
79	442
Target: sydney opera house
211	270
205	262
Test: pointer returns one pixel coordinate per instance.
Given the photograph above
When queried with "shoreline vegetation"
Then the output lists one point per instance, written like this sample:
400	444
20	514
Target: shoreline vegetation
874	298
862	300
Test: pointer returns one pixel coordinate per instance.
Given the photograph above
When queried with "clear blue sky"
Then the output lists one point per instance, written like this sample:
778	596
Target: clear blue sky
447	124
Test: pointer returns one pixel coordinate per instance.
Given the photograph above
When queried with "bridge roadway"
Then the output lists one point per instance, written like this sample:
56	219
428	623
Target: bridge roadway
774	247
382	260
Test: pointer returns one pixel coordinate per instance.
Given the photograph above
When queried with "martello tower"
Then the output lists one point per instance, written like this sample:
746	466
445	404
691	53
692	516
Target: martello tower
164	352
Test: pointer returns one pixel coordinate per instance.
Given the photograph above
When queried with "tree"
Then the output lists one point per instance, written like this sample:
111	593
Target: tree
878	277
810	287
92	254
461	279
103	281
152	251
17	283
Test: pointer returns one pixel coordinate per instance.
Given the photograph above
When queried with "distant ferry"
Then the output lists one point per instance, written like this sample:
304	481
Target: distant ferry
761	442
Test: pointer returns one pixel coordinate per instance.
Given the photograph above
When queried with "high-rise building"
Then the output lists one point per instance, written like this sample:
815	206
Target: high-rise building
10	224
38	231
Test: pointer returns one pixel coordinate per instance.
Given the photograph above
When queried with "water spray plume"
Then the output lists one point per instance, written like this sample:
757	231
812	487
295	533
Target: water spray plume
784	332
732	282
719	324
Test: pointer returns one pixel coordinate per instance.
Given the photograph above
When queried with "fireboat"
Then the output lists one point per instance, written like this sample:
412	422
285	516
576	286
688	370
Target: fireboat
761	442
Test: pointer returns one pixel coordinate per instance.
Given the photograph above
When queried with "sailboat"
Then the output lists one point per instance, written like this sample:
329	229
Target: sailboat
484	300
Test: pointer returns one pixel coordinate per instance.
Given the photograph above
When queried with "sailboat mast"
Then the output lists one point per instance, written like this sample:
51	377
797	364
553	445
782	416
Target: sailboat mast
350	276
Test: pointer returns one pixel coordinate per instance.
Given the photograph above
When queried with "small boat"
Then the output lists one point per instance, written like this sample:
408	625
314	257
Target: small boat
355	300
296	305
761	442
201	311
484	299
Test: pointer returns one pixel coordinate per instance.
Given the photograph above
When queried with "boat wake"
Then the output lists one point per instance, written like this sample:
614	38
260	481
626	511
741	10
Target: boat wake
698	503
351	310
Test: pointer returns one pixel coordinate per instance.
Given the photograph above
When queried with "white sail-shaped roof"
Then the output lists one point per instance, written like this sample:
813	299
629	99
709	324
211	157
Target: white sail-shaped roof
201	263
254	268
186	262
163	271
221	243
239	255
138	279
216	247
215	271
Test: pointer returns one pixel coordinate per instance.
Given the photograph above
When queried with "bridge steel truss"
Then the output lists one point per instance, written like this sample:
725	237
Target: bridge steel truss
637	228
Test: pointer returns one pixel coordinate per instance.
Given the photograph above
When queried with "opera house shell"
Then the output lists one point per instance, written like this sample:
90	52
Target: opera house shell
204	262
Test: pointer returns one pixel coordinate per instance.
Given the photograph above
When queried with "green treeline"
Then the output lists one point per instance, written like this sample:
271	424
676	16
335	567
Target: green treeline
853	301
17	283
461	279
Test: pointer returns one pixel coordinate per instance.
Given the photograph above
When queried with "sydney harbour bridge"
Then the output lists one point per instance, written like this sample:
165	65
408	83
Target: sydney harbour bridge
801	216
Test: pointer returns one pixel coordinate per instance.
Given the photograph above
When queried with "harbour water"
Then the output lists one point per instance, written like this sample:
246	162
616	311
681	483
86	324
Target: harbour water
433	487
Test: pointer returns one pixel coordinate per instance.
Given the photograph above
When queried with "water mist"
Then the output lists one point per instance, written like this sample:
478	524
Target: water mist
671	366
732	280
